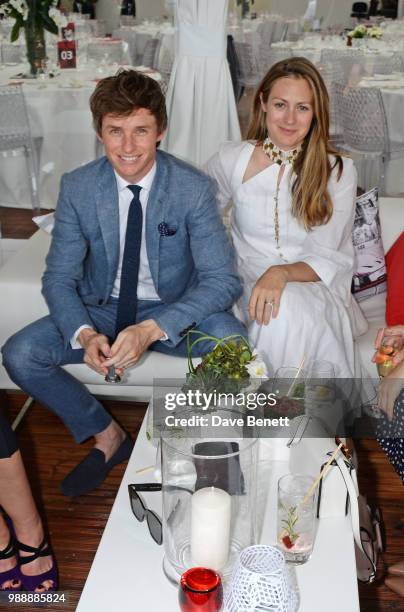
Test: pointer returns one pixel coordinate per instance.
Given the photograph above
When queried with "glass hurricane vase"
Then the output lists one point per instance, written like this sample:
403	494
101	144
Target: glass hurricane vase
209	501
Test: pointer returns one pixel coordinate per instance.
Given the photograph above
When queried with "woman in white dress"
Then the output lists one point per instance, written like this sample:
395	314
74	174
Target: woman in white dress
293	205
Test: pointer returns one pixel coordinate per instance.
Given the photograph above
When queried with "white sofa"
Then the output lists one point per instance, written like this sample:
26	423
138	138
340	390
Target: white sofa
374	308
21	302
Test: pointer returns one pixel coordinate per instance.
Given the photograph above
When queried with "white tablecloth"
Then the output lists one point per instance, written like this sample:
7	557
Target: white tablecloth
61	122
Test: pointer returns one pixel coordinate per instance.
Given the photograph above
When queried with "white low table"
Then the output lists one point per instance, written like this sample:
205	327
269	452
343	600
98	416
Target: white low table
127	574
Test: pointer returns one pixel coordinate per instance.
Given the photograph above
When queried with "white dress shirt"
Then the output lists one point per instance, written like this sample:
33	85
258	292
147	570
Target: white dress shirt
145	288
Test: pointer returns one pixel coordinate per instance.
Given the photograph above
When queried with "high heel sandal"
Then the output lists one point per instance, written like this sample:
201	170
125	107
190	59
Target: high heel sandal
31	583
12	574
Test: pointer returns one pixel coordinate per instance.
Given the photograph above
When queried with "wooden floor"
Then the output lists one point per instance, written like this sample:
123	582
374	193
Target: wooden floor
75	526
384	489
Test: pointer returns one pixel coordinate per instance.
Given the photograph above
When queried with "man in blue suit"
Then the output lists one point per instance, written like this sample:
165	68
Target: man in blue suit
139	256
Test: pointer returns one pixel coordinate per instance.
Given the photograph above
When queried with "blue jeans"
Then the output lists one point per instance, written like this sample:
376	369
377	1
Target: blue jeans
33	358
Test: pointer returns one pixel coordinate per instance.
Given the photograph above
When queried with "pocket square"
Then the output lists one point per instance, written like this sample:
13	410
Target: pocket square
165	230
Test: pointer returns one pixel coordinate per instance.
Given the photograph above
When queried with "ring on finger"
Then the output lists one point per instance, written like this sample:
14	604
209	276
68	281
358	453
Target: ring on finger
269	303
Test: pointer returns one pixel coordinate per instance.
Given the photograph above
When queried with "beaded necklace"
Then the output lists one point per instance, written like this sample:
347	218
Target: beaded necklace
282	158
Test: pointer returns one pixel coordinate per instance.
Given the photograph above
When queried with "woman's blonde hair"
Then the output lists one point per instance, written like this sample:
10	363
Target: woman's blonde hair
311	202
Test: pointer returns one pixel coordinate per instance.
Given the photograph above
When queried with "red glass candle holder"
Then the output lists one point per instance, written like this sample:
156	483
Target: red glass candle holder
201	590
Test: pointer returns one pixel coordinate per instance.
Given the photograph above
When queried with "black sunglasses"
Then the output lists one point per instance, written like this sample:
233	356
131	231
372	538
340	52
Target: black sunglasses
141	511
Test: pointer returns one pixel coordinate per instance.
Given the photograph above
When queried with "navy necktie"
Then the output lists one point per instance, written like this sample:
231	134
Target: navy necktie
127	303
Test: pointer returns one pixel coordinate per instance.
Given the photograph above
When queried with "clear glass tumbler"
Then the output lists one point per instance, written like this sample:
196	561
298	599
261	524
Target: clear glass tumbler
288	386
296	517
320	391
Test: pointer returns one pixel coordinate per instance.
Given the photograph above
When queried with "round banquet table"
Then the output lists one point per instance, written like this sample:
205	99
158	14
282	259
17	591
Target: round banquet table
61	125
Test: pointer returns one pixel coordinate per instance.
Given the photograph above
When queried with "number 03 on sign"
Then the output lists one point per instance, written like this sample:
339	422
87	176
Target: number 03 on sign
67	53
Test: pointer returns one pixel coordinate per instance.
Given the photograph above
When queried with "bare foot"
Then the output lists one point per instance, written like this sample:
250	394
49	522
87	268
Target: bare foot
32	535
109	440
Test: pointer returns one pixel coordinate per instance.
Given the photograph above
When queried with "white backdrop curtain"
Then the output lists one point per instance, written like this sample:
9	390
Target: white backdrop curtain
200	100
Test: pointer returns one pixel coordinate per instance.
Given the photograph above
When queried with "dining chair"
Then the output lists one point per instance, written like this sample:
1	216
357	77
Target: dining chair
129	36
366	133
12	54
100	27
353	64
109	51
399	58
280	29
333	76
249	74
6	26
15	133
266	32
336	112
333	56
151	52
386	65
269	56
360	10
164	64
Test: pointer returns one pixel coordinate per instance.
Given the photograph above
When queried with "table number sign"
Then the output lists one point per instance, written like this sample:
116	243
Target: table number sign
67	53
67	47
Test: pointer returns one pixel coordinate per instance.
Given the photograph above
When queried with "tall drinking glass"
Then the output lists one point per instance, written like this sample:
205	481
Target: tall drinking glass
296	517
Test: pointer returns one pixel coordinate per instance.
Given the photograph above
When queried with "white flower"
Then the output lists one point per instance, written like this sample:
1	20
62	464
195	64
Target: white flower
20	6
257	368
375	32
58	17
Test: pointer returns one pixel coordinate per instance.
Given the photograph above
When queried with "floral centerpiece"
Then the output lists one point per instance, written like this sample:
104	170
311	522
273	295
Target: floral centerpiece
231	366
33	17
362	31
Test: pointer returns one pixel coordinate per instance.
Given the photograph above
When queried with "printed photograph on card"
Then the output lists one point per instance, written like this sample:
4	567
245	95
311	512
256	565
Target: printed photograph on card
370	274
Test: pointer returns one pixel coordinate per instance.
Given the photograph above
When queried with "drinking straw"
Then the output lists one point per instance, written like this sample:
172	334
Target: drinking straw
296	376
321	475
146	469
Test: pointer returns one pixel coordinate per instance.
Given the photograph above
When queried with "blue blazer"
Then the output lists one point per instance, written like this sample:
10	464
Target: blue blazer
190	257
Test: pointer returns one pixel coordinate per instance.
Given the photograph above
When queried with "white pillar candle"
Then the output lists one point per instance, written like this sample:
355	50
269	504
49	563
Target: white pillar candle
210	527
